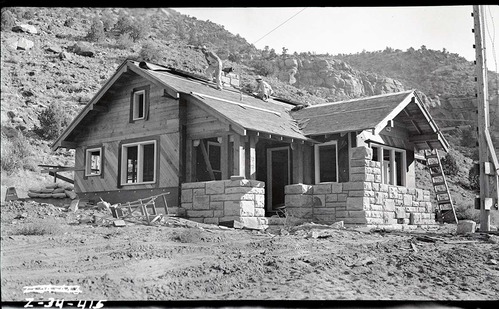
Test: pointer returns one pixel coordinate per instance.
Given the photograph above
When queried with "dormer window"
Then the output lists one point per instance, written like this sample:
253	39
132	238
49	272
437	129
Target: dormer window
139	104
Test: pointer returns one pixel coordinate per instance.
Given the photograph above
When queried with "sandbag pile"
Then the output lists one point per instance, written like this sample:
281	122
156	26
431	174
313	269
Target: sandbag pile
54	190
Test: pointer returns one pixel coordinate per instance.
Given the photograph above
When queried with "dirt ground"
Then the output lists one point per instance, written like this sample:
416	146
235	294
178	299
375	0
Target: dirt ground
182	260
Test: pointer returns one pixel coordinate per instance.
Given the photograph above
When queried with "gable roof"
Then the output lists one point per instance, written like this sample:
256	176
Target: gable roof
373	113
274	117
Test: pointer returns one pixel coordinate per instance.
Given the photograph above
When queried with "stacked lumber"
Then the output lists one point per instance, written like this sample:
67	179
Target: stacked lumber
54	190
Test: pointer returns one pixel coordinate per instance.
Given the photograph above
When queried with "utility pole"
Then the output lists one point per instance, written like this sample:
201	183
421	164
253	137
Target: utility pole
484	142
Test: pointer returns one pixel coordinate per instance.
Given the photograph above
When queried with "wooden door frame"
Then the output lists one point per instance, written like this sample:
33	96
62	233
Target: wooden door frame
269	172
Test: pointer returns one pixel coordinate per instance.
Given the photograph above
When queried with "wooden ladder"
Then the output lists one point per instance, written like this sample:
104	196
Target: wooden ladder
445	209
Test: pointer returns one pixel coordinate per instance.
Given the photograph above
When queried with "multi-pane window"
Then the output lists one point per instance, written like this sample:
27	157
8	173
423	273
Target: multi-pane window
393	164
326	162
138	161
93	161
139	102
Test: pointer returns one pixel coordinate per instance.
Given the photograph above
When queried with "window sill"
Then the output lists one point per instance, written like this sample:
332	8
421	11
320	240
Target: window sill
139	183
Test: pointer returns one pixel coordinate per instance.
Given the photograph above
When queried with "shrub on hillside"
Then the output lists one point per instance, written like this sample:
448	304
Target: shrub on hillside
150	52
70	21
137	29
107	20
7	20
16	154
96	32
264	67
467	138
474	177
52	120
124	41
123	24
449	165
28	14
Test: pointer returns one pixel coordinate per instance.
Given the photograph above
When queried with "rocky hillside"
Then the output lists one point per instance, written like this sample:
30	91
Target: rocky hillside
55	59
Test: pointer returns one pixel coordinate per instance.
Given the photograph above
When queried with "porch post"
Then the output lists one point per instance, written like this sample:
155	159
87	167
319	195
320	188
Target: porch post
188	160
297	153
224	157
393	170
251	157
239	158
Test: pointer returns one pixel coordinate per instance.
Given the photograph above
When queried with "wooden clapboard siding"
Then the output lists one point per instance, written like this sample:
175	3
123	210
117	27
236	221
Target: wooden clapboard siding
78	175
114	124
200	123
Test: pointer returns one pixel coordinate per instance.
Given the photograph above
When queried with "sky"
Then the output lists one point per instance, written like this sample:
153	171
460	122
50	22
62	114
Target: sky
347	30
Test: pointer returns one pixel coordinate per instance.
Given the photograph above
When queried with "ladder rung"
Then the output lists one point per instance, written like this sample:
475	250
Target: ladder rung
436	174
443	202
438	183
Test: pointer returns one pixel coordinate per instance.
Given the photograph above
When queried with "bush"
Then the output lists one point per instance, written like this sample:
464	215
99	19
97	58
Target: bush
264	67
135	28
467	139
107	21
124	41
150	52
474	177
123	24
449	165
69	22
53	120
8	20
190	235
96	32
28	14
16	154
37	229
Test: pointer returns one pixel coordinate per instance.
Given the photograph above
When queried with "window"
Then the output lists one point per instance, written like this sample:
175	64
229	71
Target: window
93	161
138	163
326	162
393	164
139	104
214	155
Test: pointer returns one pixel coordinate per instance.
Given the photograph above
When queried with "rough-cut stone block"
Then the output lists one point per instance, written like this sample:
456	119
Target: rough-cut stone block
238	183
357	214
200	213
349	186
383	187
232	197
251	223
247	209
341	213
355	163
259	201
342	197
298	200
411	191
389	205
402	190
356	193
368	186
187	205
201	202
231	208
217	205
380	198
357	203
186	196
323	188
360	170
400	213
193	185
327	219
361	152
419	194
336	187
199	220
253	190
426	198
215	187
377	178
259	212
369	193
210	220
219	213
229	218
407	199
298	189
236	178
376	207
198	192
466	226
257	183
371	220
376	171
362	177
374	214
331	198
324	211
319	200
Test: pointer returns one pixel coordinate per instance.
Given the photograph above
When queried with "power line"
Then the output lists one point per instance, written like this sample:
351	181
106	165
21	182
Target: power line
279	25
492	37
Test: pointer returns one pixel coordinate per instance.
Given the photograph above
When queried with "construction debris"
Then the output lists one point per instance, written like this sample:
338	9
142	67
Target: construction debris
54	190
466	226
119	223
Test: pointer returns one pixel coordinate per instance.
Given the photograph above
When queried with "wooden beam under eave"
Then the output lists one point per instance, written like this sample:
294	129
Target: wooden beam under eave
170	92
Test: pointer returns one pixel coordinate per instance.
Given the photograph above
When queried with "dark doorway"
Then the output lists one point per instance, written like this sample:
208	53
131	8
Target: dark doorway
278	176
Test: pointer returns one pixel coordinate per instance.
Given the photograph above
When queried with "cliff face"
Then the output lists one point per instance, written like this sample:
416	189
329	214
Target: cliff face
333	79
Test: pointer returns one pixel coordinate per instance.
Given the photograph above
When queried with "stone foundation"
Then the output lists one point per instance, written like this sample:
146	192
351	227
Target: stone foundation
214	202
363	200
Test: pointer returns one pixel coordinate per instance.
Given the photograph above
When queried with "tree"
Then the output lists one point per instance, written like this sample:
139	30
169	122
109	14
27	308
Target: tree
7	20
449	165
96	32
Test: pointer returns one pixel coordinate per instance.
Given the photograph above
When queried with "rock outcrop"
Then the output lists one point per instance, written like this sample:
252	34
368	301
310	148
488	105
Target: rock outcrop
336	76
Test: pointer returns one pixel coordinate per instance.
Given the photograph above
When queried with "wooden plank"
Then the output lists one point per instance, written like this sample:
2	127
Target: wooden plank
424	138
189	167
297	154
207	160
71	181
239	156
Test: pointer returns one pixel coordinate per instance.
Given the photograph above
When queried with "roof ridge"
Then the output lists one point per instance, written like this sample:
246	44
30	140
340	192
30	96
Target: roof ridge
363	98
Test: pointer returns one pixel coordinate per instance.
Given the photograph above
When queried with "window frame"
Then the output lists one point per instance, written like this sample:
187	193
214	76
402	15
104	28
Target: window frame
215	144
88	162
135	104
317	161
392	179
140	154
